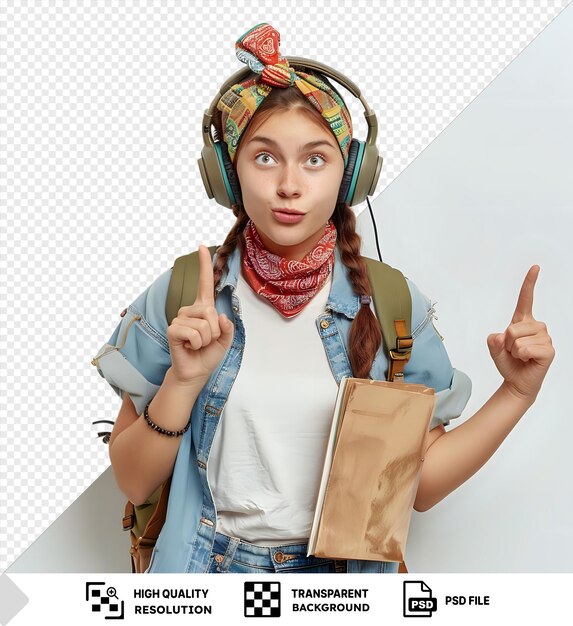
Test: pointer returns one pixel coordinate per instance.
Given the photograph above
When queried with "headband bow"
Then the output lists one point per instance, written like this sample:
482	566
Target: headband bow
259	49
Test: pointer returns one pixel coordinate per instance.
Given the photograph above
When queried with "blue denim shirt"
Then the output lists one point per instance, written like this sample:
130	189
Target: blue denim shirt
136	358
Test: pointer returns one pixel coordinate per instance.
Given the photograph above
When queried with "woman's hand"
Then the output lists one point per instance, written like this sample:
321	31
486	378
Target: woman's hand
199	337
524	352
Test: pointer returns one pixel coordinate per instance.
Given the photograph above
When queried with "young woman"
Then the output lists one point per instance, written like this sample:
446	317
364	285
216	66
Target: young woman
278	321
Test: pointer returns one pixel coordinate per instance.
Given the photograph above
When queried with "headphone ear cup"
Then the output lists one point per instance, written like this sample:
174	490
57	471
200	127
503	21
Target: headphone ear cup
219	178
352	167
366	173
228	172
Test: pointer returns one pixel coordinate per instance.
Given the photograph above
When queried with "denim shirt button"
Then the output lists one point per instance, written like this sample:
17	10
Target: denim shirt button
324	324
206	521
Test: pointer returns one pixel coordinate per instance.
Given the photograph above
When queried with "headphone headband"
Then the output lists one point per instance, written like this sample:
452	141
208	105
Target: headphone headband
361	180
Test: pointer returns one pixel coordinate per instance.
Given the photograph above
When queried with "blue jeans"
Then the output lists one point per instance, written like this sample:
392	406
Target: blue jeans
235	556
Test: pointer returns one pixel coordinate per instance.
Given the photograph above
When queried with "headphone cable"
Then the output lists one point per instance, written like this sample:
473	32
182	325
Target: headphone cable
375	229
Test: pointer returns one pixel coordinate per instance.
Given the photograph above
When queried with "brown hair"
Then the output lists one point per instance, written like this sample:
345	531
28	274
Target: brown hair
365	335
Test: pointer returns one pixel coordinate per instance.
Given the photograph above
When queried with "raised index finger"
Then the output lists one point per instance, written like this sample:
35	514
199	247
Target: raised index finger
524	308
205	288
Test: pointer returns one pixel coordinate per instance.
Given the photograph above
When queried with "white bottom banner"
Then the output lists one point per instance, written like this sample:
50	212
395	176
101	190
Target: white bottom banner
27	599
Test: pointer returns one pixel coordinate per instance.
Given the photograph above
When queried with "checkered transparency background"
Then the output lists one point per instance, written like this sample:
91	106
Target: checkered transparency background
100	122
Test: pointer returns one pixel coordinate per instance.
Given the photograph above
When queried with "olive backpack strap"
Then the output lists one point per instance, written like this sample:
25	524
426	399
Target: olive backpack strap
393	305
145	523
183	283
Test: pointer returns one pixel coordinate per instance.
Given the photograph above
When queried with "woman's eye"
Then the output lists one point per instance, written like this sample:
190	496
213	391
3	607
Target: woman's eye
316	159
264	158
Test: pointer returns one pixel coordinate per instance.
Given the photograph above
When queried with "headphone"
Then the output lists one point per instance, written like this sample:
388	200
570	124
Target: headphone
360	174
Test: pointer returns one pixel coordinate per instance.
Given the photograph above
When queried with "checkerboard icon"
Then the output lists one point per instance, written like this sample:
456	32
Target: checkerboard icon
262	599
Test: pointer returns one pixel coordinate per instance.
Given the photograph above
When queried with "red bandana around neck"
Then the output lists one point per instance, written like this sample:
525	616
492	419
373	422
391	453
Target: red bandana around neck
288	285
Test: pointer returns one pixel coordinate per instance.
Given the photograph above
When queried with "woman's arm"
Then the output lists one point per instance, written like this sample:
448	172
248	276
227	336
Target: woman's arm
454	456
198	337
143	459
522	354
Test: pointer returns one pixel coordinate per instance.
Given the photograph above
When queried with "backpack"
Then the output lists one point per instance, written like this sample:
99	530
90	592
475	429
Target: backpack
393	306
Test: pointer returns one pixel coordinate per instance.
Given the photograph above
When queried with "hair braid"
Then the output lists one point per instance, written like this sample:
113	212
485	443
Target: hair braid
233	240
365	335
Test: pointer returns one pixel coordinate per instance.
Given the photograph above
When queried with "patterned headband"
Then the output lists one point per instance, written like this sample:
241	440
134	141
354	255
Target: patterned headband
259	49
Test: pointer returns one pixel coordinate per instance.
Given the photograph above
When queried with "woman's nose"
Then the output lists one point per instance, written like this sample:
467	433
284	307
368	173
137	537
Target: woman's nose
289	183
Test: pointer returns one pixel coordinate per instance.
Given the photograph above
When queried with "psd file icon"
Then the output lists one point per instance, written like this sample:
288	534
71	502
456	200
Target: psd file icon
418	599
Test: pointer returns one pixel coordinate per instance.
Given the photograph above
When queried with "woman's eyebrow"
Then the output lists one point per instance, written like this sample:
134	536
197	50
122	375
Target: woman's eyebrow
307	146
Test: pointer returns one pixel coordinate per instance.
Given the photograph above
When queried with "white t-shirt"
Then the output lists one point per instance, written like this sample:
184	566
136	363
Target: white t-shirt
267	455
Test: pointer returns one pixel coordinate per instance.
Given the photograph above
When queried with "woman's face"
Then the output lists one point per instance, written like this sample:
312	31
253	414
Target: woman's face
290	169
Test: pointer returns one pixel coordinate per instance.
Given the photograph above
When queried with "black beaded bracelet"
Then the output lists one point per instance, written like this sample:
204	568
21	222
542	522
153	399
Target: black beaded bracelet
162	431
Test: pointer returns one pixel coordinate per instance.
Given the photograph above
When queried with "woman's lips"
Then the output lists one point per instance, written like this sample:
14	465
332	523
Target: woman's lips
287	217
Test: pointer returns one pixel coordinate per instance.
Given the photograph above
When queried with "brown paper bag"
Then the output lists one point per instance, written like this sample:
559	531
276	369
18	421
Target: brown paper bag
372	470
